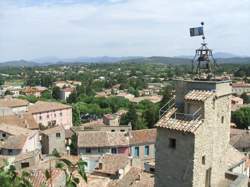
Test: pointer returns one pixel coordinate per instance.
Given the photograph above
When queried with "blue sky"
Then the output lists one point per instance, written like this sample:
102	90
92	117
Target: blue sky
73	28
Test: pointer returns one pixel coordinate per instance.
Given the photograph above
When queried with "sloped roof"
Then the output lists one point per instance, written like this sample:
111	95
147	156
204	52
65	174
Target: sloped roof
53	130
142	136
131	176
111	163
240	140
178	125
42	106
38	177
15	130
25	120
102	139
14	142
12	103
198	95
233	157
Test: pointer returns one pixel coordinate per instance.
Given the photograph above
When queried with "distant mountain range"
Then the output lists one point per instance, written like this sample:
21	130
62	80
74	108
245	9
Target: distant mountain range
221	58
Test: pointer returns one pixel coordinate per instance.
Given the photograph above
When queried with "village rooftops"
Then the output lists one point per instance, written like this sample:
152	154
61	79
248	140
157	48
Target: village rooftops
91	139
13	103
144	136
198	95
42	106
240	85
111	116
111	164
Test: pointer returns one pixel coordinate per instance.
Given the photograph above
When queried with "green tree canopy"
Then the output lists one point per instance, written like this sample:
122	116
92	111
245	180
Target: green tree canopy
241	118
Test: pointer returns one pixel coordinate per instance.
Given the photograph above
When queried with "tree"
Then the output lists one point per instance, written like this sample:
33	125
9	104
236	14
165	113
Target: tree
56	92
46	94
245	98
151	115
10	178
241	118
70	169
72	97
167	95
1	81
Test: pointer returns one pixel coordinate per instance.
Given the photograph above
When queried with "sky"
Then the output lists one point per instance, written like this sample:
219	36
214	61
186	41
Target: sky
30	29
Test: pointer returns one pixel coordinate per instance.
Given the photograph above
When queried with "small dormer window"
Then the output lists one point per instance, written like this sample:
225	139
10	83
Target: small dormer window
222	119
172	143
58	135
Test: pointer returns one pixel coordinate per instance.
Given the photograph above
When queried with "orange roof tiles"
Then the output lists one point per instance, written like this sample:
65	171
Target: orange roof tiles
142	136
186	126
42	106
12	103
198	95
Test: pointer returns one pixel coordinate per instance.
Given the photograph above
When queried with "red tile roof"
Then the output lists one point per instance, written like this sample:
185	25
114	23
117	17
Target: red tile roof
145	136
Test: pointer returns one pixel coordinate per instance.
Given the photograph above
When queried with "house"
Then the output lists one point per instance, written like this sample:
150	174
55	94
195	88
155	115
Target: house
111	119
113	166
240	88
34	91
65	92
49	114
16	105
100	142
142	143
17	140
53	139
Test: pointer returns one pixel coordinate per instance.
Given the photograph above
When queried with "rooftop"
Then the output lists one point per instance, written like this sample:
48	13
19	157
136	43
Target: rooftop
12	103
14	142
24	120
53	130
186	126
15	130
102	139
42	106
233	157
198	95
142	136
111	163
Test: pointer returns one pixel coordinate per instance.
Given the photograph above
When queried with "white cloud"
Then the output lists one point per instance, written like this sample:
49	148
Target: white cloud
120	27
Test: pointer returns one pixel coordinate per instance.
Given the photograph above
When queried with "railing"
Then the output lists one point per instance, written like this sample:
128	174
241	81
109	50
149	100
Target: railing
183	116
170	104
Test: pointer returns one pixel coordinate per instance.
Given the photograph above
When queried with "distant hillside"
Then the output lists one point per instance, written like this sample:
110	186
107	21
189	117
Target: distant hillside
18	63
155	59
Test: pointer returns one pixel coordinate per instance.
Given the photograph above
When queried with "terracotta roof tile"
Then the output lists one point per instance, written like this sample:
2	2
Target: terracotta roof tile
25	120
187	126
12	103
42	106
112	163
102	139
142	136
198	95
14	142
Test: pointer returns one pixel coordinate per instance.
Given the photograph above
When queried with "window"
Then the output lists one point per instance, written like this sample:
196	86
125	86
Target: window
40	117
4	135
172	143
222	119
58	135
203	160
88	150
60	113
54	114
136	152
100	150
10	151
146	150
122	130
112	130
47	115
113	150
25	165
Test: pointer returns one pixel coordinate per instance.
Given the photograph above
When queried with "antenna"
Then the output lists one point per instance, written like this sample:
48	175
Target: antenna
203	63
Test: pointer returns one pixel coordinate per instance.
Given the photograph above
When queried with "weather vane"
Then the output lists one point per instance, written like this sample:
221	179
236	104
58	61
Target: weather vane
203	63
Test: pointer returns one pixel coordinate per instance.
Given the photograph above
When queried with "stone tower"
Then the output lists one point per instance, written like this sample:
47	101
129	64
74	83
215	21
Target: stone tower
193	135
